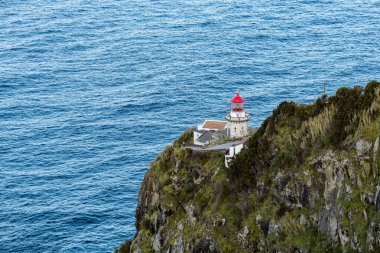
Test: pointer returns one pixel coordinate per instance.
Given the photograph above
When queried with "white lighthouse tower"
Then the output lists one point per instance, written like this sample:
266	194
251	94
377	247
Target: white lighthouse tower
237	118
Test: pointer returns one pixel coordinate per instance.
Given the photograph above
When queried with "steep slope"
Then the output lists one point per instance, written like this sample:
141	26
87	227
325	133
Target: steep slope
307	181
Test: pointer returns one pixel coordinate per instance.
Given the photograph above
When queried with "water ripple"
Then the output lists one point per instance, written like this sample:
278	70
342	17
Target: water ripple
92	91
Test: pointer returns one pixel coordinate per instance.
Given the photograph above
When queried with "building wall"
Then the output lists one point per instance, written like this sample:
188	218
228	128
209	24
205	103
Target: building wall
196	136
232	151
238	129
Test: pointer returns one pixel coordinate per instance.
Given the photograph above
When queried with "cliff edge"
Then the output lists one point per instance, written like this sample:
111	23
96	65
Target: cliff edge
307	181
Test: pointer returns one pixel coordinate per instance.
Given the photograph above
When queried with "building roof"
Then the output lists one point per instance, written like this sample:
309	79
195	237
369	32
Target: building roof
237	99
205	137
219	134
215	124
199	131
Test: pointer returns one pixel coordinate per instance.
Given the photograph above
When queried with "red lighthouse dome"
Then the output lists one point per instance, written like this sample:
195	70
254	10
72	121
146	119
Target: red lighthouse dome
237	99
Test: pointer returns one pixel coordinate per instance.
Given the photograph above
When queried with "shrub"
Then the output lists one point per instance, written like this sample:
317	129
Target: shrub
350	103
125	247
369	92
185	138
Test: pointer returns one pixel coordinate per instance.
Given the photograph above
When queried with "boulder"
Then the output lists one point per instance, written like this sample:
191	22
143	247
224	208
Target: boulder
362	147
328	222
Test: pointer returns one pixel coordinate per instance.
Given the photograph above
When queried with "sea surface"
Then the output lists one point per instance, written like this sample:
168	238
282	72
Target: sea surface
92	91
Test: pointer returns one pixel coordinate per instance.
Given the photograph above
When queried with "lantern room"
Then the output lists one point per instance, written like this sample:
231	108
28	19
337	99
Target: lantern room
237	103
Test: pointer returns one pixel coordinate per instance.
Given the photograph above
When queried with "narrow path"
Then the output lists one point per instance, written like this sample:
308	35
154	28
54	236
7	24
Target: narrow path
220	147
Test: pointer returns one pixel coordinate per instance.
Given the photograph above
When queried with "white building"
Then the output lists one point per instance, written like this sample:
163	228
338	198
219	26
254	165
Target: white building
209	131
231	152
235	126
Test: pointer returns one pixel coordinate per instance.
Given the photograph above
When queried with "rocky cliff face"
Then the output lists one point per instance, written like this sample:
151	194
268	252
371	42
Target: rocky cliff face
307	181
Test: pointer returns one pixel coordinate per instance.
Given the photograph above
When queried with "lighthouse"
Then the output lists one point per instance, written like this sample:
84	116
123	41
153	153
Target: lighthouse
237	118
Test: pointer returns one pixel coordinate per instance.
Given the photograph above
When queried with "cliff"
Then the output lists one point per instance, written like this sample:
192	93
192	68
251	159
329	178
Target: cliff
307	181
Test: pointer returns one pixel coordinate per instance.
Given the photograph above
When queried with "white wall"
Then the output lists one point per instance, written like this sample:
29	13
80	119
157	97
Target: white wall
241	128
234	150
196	135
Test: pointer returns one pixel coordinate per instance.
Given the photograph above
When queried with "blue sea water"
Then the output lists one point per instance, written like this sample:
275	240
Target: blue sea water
92	91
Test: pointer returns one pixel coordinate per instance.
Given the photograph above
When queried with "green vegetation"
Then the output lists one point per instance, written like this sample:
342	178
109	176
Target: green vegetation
299	174
295	131
125	247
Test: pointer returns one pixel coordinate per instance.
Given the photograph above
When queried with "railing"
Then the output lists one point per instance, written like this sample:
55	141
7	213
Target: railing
238	118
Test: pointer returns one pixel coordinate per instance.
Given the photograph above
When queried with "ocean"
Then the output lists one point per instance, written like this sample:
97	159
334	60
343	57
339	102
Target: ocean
92	91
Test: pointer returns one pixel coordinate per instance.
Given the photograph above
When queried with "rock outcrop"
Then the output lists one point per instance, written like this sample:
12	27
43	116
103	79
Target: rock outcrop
307	181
